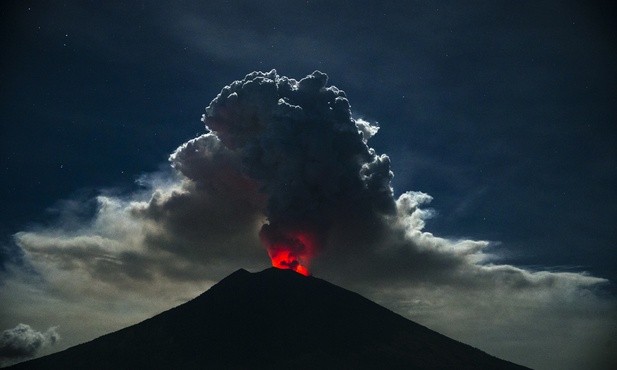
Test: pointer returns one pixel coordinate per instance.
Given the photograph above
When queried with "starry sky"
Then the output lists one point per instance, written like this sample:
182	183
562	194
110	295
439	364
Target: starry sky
502	113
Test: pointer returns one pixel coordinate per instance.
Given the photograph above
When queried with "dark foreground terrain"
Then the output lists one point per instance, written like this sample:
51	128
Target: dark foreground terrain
273	319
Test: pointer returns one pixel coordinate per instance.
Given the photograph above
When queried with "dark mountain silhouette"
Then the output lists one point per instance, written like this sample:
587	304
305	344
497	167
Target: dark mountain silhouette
273	319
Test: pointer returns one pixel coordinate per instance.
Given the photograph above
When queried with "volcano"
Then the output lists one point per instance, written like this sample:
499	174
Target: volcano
273	319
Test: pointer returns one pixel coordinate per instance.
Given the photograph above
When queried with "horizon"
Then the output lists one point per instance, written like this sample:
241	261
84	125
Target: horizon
338	327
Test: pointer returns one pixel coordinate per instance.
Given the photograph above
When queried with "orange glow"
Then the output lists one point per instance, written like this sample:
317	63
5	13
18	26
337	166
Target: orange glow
291	251
284	259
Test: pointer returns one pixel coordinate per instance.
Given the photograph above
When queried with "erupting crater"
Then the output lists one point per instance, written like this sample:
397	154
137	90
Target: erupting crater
289	250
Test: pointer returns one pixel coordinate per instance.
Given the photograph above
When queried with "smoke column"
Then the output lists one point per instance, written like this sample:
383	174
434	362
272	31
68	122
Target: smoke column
298	140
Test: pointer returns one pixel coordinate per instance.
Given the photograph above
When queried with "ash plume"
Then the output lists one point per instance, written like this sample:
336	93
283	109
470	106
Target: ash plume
310	157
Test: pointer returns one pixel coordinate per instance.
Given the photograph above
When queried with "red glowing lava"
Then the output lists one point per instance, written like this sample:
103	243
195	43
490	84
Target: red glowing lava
284	259
289	250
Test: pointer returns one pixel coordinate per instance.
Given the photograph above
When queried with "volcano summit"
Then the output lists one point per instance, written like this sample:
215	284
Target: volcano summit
273	319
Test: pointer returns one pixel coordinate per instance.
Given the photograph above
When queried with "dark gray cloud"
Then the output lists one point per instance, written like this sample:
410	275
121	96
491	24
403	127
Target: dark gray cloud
299	142
286	157
23	342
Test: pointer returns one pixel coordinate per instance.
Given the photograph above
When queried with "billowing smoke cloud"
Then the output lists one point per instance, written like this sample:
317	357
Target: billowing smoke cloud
287	165
23	342
308	155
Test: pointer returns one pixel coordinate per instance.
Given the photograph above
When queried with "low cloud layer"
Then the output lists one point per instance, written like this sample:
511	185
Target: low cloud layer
23	342
284	156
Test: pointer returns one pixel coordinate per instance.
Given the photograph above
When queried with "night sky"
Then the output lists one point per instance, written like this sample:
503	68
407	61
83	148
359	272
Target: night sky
503	112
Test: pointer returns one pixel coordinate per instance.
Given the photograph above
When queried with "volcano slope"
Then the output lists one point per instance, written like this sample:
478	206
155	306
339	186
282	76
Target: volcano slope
273	319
